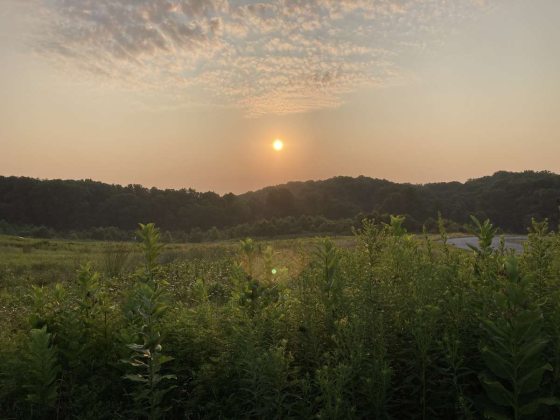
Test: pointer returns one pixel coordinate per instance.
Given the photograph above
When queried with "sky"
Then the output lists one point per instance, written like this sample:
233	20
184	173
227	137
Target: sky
192	93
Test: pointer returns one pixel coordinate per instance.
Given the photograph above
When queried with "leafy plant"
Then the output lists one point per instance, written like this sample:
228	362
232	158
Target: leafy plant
148	359
148	309
395	226
248	251
485	232
371	237
381	325
151	246
513	352
41	371
328	259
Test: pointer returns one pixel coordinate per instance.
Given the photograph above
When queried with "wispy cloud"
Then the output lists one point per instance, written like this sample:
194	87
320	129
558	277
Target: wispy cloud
278	56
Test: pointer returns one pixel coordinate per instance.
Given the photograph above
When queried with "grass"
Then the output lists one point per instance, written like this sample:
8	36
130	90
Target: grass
41	261
382	324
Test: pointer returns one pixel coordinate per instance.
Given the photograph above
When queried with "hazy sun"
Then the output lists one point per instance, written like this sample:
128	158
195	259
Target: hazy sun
278	145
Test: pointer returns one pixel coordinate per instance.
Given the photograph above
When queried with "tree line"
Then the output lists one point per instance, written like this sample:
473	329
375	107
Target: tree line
87	208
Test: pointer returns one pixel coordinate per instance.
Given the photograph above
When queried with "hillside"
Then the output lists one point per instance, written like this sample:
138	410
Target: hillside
509	199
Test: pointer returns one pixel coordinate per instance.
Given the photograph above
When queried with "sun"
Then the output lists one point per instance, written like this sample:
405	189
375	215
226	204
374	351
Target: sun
278	145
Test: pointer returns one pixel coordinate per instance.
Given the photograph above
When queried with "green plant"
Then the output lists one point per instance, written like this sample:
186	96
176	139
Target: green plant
328	258
395	226
151	247
513	352
382	325
538	256
47	304
88	288
115	259
248	249
485	232
487	262
147	360
268	260
371	237
147	309
41	372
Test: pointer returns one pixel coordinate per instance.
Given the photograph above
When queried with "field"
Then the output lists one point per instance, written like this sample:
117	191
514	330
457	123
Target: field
382	324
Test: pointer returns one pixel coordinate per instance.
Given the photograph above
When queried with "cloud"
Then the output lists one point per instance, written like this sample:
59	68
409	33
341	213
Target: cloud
277	56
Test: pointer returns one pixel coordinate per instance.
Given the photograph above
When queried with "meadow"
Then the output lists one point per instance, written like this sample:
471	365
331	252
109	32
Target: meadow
383	324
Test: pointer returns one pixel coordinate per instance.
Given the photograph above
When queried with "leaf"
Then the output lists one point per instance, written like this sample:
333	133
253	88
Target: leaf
165	359
42	369
497	392
135	378
533	406
530	350
136	363
494	330
491	413
532	380
527	326
136	347
472	247
497	364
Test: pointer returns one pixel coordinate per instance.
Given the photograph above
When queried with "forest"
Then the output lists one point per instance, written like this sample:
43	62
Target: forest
94	210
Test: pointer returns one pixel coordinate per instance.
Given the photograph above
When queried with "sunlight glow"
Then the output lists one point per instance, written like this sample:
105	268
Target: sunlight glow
278	145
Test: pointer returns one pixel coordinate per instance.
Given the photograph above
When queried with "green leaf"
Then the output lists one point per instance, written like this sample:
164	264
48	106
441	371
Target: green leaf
491	413
532	380
528	351
494	330
497	364
135	378
527	326
165	359
497	392
136	347
136	363
533	406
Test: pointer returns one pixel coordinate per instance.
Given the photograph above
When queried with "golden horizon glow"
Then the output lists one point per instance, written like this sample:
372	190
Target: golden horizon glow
278	145
410	91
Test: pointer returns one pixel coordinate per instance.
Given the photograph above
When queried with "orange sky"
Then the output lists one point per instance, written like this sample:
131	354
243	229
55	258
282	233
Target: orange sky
192	94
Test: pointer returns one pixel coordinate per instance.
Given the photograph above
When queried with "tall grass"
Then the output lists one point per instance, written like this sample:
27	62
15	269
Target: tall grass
393	326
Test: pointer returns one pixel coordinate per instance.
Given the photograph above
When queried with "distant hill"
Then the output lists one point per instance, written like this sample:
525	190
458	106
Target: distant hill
509	199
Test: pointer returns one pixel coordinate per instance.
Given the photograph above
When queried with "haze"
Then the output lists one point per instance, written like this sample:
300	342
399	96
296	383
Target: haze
192	93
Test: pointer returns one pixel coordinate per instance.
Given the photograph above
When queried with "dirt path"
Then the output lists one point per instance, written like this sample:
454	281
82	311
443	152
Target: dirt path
514	242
